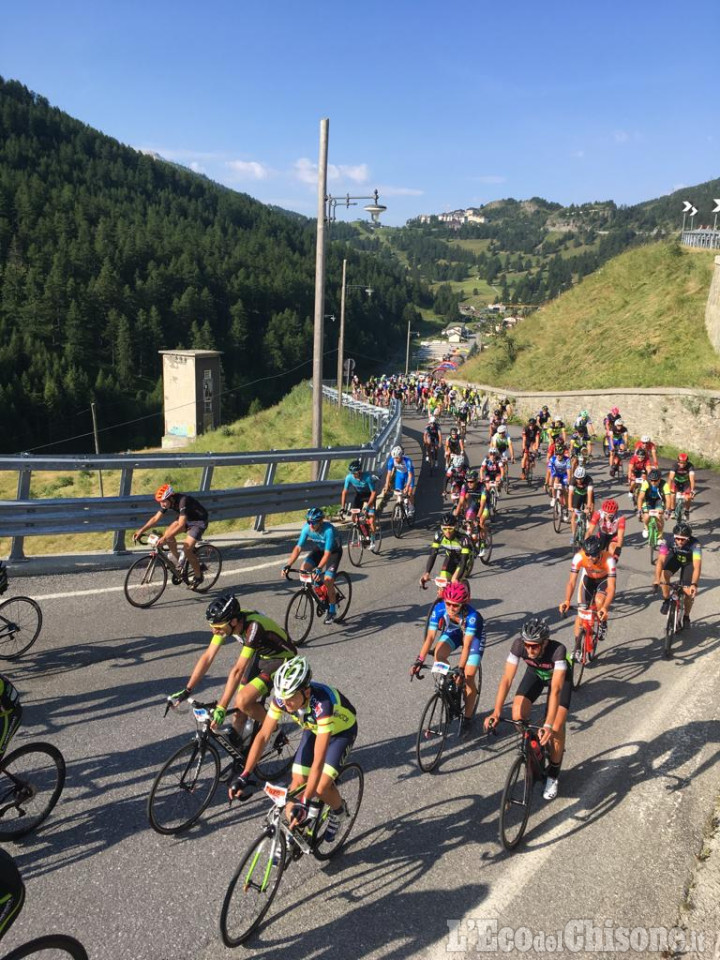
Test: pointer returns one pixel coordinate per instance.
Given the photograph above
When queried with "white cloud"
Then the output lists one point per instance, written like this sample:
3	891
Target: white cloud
248	169
307	172
196	167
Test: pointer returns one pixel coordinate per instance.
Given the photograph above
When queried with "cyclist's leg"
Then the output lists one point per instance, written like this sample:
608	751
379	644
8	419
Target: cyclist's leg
250	694
529	689
585	596
471	671
12	892
336	757
329	576
194	533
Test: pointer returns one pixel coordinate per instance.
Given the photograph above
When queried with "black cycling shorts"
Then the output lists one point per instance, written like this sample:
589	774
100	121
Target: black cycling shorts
579	500
588	588
531	686
672	565
196	529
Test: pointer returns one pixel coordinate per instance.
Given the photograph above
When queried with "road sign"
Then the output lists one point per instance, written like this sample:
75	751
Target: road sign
348	367
716	209
686	206
693	212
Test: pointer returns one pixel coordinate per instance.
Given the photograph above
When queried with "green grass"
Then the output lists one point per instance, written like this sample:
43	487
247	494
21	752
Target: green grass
639	321
284	426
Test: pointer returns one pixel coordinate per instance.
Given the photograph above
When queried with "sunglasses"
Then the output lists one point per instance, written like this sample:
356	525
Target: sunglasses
454	606
681	539
219	626
533	646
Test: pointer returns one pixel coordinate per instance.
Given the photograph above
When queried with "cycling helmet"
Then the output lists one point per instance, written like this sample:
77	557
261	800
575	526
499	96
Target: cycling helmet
355	466
535	630
432	419
473	476
654	476
546	408
592	547
682	529
645	438
682	458
222	609
314	515
397	452
615	412
293	675
3	578
449	520
641	453
454	432
532	421
456	592
579	473
619	422
502	428
610	507
584	414
561	449
493	452
575	435
163	492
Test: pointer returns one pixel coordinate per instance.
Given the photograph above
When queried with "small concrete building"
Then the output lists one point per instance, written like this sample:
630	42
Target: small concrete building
191	394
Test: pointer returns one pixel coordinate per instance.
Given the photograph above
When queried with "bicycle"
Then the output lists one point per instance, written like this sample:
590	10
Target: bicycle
54	941
616	466
31	781
674	619
361	536
147	577
581	522
431	456
559	501
528	767
400	516
444	707
593	630
492	498
20	625
681	511
255	882
187	781
312	597
653	533
482	542
530	467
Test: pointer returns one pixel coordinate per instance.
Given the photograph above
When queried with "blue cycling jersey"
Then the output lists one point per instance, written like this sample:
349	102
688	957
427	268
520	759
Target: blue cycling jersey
558	467
326	538
471	622
365	483
401	472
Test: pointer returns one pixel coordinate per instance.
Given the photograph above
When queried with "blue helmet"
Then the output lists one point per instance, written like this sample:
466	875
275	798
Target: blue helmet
314	515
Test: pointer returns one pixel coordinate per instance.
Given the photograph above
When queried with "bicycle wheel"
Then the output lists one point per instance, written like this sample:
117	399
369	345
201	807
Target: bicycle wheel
31	781
673	623
506	482
145	581
492	502
252	889
52	947
355	546
299	617
343	587
652	540
210	560
378	535
486	546
20	626
280	752
515	804
351	784
432	733
396	520
579	665
184	787
557	516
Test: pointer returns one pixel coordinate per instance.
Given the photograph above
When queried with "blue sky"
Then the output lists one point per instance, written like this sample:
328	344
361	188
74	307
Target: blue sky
437	105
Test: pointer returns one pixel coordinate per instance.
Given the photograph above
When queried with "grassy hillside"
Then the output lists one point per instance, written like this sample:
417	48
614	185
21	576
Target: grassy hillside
639	321
284	426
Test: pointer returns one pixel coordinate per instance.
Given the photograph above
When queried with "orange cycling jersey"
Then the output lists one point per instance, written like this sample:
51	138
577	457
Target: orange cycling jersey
598	569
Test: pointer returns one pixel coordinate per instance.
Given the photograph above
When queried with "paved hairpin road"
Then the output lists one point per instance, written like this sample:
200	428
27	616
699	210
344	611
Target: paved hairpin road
617	845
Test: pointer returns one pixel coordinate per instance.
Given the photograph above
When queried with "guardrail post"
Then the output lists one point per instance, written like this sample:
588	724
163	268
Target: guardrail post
259	525
206	479
126	475
17	552
324	470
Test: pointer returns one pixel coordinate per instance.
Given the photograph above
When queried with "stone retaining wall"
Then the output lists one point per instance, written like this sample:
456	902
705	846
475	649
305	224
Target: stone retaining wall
686	419
712	309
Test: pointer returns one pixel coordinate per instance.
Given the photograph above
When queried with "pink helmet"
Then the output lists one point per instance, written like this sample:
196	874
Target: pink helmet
615	411
456	592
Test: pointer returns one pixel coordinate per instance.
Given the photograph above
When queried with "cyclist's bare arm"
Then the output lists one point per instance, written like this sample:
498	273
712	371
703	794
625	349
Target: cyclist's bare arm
203	665
156	518
556	685
177	526
429	639
235	678
569	590
503	689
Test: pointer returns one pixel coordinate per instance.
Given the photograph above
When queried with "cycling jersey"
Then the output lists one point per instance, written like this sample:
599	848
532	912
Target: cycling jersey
326	538
559	466
186	506
595	568
654	495
501	442
492	468
433	432
581	488
636	465
530	435
542	417
456	548
649	448
10	712
689	552
556	429
262	636
364	484
682	472
326	711
403	473
582	424
606	524
454	445
553	657
471	623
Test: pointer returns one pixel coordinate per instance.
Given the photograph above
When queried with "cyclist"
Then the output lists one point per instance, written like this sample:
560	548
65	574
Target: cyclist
597	582
556	431
456	626
654	495
503	444
609	421
492	469
472	505
559	467
360	484
454	545
646	444
637	470
544	417
584	426
265	646
617	439
330	727
682	552
609	526
581	496
530	444
577	450
324	556
454	446
547	666
401	474
432	439
192	520
463	418
680	478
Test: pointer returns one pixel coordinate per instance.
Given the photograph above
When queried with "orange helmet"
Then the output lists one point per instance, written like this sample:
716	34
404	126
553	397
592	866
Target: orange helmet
163	492
610	507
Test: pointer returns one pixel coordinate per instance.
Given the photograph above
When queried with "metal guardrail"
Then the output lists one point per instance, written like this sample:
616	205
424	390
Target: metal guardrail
29	517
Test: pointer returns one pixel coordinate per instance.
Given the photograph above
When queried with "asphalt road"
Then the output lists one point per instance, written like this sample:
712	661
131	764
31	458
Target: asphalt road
425	868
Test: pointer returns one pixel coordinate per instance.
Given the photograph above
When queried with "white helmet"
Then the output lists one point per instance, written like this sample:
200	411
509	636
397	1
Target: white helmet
292	676
397	452
579	473
432	420
502	428
645	439
619	422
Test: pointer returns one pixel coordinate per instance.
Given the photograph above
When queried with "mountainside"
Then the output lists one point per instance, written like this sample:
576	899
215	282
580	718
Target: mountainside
108	255
637	322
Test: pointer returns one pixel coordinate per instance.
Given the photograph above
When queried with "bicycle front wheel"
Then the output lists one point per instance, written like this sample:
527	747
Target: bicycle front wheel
145	582
20	625
652	540
299	617
396	521
31	781
210	560
252	889
52	947
355	546
184	788
280	751
557	516
351	784
432	733
515	804
343	588
486	547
